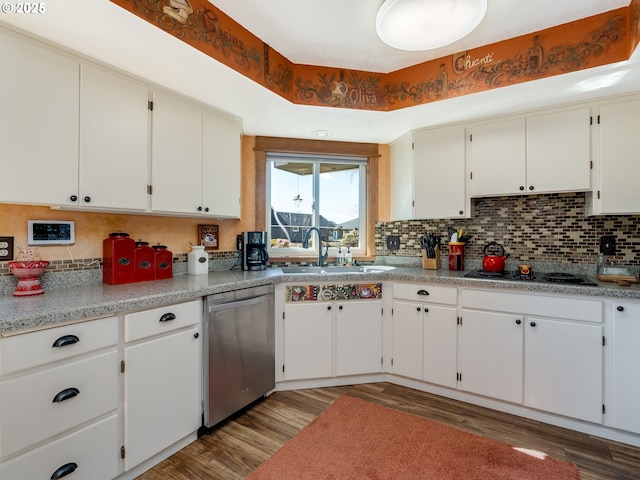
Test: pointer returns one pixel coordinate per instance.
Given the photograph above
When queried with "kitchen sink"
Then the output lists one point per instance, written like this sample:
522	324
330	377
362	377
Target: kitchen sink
334	269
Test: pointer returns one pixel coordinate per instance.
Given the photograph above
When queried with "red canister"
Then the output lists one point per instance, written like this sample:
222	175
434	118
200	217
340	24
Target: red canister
117	259
163	262
145	257
456	255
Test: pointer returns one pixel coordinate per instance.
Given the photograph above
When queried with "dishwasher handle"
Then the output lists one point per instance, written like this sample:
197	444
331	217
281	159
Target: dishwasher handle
240	303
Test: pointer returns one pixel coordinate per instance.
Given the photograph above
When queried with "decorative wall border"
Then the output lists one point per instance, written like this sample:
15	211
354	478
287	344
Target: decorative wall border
590	42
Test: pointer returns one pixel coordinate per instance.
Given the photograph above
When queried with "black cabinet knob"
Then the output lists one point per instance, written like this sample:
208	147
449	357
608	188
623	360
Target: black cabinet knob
426	309
73	198
461	212
530	187
199	209
328	307
206	209
533	324
196	335
521	188
518	322
418	309
87	199
620	308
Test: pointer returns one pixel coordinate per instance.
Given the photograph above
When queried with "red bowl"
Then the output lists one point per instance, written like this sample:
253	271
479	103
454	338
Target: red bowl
28	269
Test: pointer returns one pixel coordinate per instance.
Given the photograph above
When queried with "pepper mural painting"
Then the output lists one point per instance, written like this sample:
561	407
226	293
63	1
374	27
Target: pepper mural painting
590	42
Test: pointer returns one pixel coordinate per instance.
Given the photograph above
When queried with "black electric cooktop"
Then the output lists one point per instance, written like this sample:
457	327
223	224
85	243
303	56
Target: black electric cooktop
548	277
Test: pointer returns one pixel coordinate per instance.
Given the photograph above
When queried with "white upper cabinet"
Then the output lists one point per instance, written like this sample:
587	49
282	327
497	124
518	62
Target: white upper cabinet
221	145
498	158
39	94
195	166
114	142
559	151
176	168
539	154
617	191
428	175
439	173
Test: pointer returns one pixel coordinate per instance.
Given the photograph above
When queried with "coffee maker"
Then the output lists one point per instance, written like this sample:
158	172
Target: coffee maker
253	250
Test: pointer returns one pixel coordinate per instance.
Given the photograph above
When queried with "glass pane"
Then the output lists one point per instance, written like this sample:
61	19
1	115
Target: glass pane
291	202
339	204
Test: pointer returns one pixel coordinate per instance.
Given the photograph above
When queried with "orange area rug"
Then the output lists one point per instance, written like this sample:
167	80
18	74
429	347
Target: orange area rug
358	440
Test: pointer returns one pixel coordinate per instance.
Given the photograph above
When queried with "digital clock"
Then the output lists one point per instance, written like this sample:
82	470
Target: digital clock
51	232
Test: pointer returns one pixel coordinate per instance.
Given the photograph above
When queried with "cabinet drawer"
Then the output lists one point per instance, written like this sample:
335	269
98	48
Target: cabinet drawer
32	349
161	320
426	293
584	310
94	451
43	404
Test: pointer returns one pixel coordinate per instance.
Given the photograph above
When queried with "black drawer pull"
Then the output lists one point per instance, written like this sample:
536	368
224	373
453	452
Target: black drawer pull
620	308
423	292
66	394
64	470
167	317
65	340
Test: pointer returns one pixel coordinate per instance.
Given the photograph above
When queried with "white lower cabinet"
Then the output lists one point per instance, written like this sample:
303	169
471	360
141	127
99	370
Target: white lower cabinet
424	333
162	379
59	402
326	339
545	352
626	360
491	355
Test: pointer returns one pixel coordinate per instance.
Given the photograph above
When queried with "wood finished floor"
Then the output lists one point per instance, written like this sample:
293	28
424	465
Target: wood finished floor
237	446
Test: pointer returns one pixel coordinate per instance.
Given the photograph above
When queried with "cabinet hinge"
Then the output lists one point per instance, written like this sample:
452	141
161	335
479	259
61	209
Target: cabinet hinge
283	315
150	105
122	366
604	341
381	361
413	203
598	194
149	189
392	361
392	311
413	146
590	120
382	311
598	119
459	321
470	175
122	452
283	368
590	164
471	138
458	377
603	409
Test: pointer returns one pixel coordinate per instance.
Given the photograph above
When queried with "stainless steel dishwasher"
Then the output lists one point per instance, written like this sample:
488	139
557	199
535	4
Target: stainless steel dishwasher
239	350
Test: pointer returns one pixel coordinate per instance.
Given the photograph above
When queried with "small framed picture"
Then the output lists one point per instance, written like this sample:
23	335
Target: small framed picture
209	236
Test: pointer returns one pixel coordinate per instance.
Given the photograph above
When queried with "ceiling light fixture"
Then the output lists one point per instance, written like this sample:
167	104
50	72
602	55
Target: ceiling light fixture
322	133
427	24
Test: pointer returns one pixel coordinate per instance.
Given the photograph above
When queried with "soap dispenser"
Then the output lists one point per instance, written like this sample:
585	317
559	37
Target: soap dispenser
197	260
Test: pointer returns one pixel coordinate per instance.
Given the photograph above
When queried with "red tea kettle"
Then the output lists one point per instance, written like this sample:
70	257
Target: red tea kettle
492	261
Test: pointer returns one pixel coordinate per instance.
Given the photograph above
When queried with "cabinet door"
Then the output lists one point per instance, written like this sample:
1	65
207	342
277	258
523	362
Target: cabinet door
401	178
498	164
626	381
407	340
220	166
440	345
39	138
491	354
358	337
559	152
563	368
308	340
619	146
176	156
114	141
162	394
439	173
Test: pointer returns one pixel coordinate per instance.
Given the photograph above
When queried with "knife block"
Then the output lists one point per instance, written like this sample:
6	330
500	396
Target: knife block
431	263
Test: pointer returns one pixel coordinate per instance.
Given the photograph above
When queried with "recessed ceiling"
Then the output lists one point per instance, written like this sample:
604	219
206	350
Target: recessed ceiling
333	33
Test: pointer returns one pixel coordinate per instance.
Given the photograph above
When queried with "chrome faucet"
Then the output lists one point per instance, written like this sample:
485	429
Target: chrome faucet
305	244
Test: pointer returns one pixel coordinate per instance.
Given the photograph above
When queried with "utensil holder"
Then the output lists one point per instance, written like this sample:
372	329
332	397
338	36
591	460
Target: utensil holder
431	263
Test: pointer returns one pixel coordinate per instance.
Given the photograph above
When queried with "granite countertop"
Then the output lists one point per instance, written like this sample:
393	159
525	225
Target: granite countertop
19	314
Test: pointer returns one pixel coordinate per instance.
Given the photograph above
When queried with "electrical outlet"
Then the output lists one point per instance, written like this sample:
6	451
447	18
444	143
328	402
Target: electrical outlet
6	249
393	242
608	245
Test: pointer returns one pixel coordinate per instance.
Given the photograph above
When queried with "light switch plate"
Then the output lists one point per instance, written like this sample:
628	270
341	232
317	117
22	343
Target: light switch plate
393	242
6	249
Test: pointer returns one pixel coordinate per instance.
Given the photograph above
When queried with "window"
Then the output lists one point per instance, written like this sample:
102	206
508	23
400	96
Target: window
322	191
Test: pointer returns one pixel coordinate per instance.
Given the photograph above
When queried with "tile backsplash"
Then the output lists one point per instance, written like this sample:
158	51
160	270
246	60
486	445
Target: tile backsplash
532	228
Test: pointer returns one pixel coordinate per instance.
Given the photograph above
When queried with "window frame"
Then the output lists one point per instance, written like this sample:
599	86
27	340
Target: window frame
317	147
